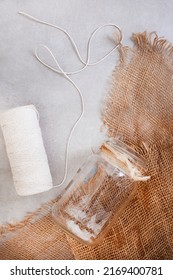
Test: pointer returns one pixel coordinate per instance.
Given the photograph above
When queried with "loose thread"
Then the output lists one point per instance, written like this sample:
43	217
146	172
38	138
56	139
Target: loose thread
66	74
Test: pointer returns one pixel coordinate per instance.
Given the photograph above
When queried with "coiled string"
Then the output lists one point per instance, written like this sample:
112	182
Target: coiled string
60	71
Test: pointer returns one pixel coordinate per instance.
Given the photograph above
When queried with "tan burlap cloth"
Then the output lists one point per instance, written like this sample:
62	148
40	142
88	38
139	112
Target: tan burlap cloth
139	110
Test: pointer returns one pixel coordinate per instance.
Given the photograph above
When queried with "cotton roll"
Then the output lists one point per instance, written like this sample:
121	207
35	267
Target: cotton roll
25	150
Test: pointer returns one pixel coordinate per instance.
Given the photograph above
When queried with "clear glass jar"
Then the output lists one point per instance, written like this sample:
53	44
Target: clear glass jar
99	191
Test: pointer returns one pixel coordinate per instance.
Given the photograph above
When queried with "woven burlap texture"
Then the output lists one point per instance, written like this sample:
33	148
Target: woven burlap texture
139	111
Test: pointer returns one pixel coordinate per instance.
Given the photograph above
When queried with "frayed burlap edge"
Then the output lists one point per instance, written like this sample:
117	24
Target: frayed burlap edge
143	42
30	217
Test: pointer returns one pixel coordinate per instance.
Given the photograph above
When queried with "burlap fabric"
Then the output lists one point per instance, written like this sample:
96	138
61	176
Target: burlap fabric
139	110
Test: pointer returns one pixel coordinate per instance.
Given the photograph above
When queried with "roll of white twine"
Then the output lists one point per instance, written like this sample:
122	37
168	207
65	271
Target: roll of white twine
25	150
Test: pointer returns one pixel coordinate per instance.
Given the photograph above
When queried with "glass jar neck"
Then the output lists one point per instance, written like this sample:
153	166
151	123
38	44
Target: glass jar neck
124	158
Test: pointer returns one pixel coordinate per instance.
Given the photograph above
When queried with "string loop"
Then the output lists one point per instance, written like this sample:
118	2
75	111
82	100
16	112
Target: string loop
66	74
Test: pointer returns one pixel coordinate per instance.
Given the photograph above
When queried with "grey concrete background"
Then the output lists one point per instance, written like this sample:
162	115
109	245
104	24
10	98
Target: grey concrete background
24	81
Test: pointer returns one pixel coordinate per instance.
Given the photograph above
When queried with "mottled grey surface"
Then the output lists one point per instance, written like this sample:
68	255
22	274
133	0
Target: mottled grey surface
24	81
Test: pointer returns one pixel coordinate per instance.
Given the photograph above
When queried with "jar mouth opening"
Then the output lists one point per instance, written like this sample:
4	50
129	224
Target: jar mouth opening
125	158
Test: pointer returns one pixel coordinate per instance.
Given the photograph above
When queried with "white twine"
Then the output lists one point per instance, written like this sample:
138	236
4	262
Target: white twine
25	150
24	157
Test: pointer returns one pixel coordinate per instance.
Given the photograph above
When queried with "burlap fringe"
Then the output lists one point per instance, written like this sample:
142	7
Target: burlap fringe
31	217
144	42
152	43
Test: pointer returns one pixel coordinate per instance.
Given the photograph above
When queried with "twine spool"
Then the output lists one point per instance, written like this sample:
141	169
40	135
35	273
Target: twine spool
25	150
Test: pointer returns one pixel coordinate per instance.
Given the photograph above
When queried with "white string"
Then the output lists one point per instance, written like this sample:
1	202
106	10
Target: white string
66	74
25	150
